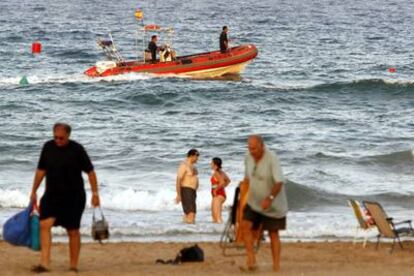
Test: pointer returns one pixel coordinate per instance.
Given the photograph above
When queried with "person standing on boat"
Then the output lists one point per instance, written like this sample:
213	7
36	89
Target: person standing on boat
187	185
153	48
62	162
266	206
224	42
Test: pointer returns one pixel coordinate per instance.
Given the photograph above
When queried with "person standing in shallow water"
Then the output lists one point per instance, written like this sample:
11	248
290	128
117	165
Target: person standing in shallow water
219	181
266	206
62	162
187	185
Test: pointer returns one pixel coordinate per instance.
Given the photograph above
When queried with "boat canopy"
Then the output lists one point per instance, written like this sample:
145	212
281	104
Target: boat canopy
157	28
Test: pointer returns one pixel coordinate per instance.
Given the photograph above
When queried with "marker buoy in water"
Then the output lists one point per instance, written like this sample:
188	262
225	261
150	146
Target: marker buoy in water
23	81
36	47
392	70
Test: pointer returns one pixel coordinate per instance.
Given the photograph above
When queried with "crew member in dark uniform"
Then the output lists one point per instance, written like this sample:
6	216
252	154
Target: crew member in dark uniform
153	48
224	42
62	161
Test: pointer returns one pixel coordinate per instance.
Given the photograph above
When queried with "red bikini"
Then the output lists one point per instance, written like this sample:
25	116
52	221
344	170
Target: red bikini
219	191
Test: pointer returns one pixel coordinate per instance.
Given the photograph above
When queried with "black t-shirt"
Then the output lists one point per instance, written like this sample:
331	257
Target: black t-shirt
152	46
64	166
223	42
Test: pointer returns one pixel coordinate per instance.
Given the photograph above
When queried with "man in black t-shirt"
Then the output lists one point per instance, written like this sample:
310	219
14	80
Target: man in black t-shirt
224	42
62	162
153	48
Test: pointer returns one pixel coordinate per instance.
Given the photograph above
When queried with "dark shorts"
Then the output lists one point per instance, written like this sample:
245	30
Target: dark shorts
188	200
67	210
267	223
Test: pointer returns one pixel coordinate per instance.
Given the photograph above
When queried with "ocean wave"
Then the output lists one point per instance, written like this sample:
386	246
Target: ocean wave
361	85
145	216
122	199
72	54
127	226
333	225
365	85
146	98
70	78
405	157
13	198
300	197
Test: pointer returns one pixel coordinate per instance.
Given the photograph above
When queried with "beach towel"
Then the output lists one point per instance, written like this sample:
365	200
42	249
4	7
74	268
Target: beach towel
16	230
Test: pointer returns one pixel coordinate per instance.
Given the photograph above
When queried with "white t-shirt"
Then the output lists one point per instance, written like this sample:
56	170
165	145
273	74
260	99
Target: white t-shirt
262	177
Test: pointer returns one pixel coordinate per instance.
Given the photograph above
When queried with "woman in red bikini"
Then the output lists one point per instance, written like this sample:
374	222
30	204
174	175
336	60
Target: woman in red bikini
219	180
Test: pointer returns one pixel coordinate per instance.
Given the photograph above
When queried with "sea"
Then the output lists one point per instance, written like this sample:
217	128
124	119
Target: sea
331	92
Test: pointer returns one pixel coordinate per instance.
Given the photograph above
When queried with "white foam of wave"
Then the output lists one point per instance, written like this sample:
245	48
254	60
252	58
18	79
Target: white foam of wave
392	80
13	198
130	200
164	225
10	81
123	200
301	226
289	85
81	78
72	78
399	81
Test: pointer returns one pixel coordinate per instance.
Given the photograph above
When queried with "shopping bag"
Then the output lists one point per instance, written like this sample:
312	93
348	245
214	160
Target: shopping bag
100	228
16	230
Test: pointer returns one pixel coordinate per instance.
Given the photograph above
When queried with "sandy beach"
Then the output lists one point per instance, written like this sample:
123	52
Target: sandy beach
298	258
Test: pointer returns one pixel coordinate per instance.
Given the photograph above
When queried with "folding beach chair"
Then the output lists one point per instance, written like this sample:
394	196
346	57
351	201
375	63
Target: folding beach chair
363	224
386	227
232	236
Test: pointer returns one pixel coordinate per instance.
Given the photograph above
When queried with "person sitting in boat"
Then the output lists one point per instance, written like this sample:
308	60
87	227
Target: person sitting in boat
224	42
166	53
153	48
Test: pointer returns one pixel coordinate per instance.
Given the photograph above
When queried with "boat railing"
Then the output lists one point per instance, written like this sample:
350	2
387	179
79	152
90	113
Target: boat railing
110	49
207	53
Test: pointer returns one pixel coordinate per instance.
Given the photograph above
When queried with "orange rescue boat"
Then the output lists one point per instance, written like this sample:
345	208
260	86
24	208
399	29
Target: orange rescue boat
203	65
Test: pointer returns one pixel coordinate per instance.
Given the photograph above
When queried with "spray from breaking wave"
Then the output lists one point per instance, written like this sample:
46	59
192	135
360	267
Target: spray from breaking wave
300	197
71	78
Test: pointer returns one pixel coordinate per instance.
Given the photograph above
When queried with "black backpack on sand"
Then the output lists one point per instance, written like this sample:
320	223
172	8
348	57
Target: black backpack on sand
191	254
187	254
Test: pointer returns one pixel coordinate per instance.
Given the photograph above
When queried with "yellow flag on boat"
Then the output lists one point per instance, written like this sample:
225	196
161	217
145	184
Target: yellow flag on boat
139	15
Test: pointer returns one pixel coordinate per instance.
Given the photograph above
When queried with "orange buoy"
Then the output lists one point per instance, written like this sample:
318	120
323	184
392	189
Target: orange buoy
392	70
36	47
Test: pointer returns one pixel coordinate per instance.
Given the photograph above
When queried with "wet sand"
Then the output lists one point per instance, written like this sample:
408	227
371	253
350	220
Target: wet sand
298	258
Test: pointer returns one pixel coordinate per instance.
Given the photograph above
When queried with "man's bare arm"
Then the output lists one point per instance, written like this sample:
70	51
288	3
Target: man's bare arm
179	180
94	188
39	175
